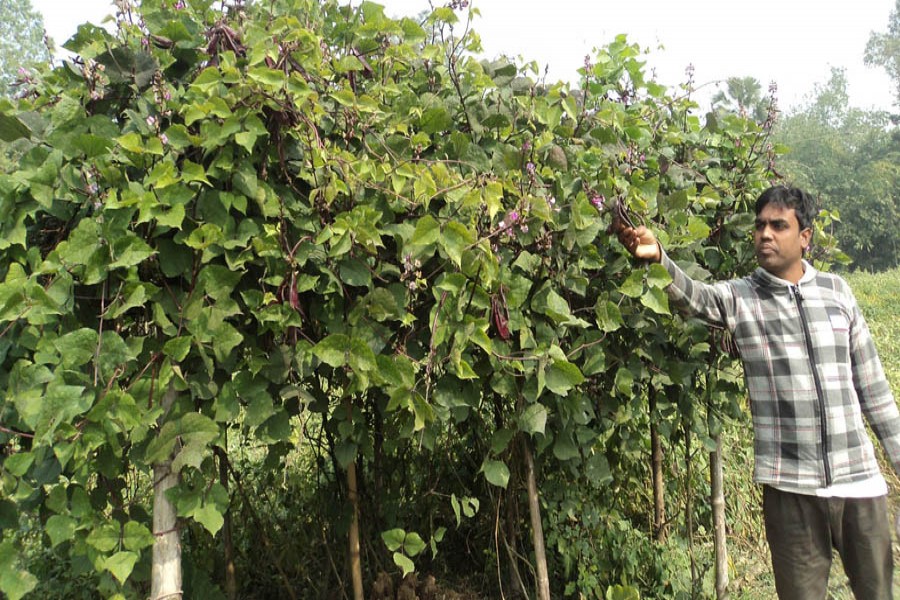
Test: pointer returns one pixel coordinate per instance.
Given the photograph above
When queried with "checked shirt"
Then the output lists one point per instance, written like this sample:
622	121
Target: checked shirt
812	373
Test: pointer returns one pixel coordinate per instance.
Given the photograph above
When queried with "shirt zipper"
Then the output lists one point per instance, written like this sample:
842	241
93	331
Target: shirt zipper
823	420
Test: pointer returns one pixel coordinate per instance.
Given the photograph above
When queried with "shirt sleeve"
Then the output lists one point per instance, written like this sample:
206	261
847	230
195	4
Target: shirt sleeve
875	396
714	303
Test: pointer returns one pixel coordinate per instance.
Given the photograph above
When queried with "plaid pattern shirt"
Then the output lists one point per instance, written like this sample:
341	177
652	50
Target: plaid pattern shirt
812	374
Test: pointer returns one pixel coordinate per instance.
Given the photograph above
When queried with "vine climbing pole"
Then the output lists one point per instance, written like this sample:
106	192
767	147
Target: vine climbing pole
166	575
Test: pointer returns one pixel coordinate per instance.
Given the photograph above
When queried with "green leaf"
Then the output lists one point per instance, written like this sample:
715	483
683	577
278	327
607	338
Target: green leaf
121	564
564	447
12	129
177	348
18	463
355	272
333	350
210	517
427	231
404	563
500	440
456	508
60	528
362	358
393	538
104	537
633	286
562	376
129	251
413	544
548	302
624	381
192	172
136	536
345	453
658	276
272	78
435	120
534	419
656	300
14	582
496	472
622	592
455	239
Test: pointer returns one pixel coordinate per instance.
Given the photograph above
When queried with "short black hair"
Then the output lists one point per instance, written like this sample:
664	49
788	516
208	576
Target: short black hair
789	197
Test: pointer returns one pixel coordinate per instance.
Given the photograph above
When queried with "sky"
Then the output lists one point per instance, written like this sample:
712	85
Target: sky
793	43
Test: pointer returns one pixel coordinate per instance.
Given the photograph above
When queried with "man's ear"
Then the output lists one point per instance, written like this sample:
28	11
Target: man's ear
806	236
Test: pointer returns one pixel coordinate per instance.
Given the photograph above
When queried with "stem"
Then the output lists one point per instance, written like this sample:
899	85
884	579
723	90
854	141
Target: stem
537	530
227	538
688	506
355	562
717	500
660	530
718	509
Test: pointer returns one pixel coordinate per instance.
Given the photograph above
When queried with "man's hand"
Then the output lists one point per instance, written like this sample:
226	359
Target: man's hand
641	242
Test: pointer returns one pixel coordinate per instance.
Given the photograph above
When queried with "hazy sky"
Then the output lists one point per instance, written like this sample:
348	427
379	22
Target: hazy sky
792	42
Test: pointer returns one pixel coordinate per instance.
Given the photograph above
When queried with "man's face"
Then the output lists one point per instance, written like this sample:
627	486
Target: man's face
779	242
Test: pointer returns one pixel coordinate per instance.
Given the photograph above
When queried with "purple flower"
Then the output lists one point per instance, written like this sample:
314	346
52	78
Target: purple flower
530	168
526	146
598	201
151	121
163	138
179	5
524	227
513	216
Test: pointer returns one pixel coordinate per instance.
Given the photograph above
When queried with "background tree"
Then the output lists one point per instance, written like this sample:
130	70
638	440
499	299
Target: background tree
22	44
743	96
883	49
848	158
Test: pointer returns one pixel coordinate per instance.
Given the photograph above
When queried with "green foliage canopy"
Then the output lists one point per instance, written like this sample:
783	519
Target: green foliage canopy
305	207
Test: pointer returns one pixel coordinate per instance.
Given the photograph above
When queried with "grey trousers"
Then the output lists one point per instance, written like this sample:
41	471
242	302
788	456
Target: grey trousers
802	530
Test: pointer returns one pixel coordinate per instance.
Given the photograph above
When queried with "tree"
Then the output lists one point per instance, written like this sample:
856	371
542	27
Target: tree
22	44
883	49
848	158
742	95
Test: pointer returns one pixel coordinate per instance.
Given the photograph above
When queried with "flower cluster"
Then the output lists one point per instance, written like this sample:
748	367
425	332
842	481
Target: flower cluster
161	92
95	77
458	4
772	109
412	274
551	202
154	125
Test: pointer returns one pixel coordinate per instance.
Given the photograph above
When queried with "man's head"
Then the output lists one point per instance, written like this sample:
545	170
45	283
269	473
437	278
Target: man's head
783	230
790	197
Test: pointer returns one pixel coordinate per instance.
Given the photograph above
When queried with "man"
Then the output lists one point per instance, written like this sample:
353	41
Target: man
812	373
